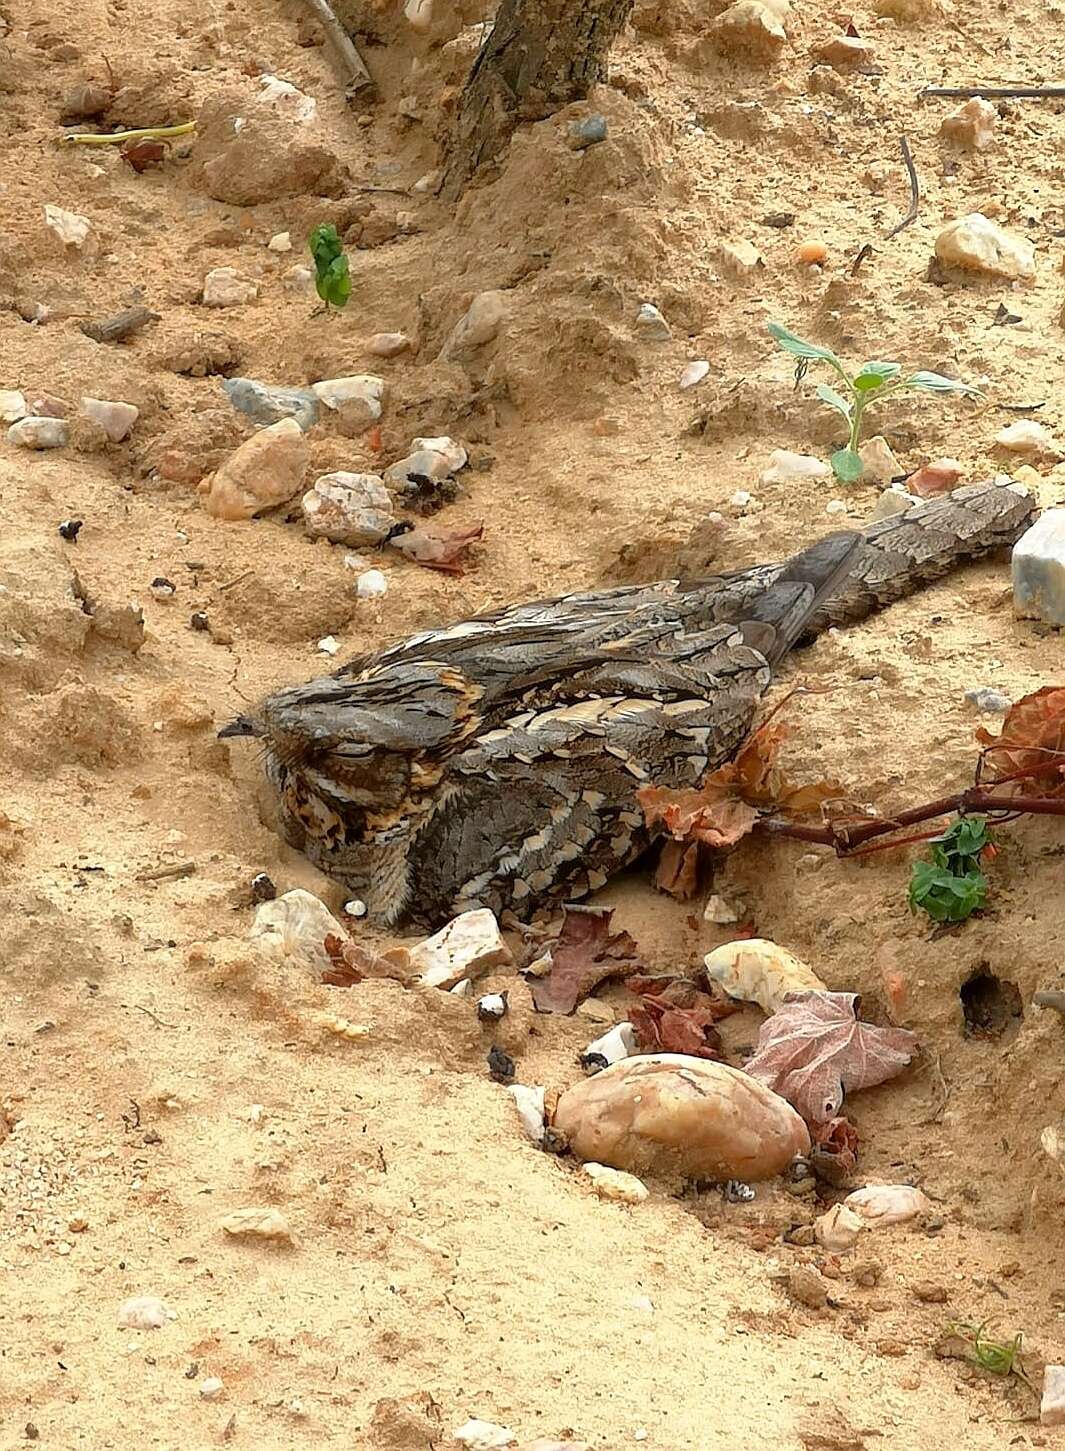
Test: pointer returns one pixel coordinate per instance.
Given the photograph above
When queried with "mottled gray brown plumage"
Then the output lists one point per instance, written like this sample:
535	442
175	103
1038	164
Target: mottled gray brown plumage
496	762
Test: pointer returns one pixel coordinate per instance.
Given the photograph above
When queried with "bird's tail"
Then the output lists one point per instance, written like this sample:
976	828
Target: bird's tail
838	583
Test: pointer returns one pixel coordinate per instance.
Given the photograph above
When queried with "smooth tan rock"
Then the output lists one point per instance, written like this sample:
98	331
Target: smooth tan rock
116	419
466	948
388	345
838	1229
758	971
616	1184
354	509
265	470
879	464
1027	436
750	30
358	399
479	325
972	124
224	287
295	925
883	1204
667	1113
976	244
843	52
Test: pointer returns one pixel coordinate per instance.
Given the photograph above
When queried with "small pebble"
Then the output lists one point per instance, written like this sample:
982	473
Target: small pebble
70	529
811	253
224	287
1039	569
356	907
388	345
144	1312
492	1007
163	588
612	1047
616	1184
262	889
199	621
329	645
371	585
741	501
990	700
836	506
694	374
500	1065
280	242
651	324
211	1388
255	1223
1052	1406
588	131
116	419
930	1293
719	911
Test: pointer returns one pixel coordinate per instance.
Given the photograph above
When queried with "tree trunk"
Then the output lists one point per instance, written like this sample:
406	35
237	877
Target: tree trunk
540	55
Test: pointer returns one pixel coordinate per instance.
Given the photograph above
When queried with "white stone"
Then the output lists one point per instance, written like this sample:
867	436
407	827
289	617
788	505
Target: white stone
71	229
478	325
211	1388
349	509
358	399
257	1222
116	419
467	947
836	506
739	259
12	405
650	324
38	433
786	467
492	1006
295	925
1039	570
612	1047
694	374
530	1105
1027	436
280	242
986	699
740	501
453	454
979	245
388	345
758	971
224	287
880	1205
838	1229
299	279
144	1312
481	1435
891	501
616	1184
879	464
371	585
719	911
1052	1406
329	645
419	15
972	124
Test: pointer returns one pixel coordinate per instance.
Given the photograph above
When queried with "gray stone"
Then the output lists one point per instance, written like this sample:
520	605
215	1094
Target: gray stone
266	404
38	433
993	701
588	131
891	501
1039	570
650	324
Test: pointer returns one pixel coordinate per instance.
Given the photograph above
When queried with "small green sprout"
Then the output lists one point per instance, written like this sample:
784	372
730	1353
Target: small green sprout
332	276
872	383
997	1357
951	886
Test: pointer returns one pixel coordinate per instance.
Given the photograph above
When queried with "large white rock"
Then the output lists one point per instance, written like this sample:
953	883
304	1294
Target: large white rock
749	29
353	509
466	948
296	925
1039	570
977	244
1027	436
756	970
12	405
785	467
116	419
358	399
38	433
972	124
71	229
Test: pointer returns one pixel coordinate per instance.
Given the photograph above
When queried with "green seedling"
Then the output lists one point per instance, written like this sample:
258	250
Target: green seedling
332	276
997	1357
951	886
872	383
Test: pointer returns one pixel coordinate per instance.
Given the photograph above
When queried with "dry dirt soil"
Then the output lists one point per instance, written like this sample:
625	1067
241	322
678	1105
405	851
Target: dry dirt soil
443	1268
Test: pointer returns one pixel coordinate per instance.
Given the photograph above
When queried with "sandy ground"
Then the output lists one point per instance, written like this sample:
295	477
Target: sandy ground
442	1267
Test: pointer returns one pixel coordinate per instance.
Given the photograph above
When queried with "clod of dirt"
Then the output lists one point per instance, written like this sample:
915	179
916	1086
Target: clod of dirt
989	1005
807	1286
675	1115
201	354
266	158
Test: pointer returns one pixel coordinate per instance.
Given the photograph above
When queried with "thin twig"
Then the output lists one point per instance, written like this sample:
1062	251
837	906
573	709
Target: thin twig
140	1009
162	874
962	93
232	583
359	78
119	327
915	189
865	251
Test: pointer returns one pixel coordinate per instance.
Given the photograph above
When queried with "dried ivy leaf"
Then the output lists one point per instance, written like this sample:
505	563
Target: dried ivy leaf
1032	743
584	954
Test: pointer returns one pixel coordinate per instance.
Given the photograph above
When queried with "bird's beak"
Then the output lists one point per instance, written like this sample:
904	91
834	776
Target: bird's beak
244	725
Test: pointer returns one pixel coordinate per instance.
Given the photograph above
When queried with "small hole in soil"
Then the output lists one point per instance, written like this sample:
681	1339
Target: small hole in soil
990	1005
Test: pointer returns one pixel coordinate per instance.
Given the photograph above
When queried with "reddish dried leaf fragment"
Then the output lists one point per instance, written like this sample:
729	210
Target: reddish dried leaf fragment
834	1151
436	547
583	955
350	963
933	480
678	870
815	1049
1032	743
676	1017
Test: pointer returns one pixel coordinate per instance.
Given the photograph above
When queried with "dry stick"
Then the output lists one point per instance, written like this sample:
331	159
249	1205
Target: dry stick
360	78
915	190
116	329
962	93
163	874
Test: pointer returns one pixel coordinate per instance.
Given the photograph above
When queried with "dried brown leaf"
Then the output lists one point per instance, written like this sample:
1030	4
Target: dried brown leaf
437	547
678	869
679	1019
350	963
834	1151
815	1049
583	955
1032	742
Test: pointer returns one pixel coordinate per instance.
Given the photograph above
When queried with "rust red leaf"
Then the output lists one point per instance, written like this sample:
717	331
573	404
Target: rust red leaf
1031	746
675	1016
349	963
584	954
678	869
834	1151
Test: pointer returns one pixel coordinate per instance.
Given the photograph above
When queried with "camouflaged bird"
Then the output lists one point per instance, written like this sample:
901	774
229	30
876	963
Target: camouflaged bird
496	762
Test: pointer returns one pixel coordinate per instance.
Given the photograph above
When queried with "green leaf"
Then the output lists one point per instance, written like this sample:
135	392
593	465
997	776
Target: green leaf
943	895
832	398
936	383
846	465
325	245
801	349
875	375
333	283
